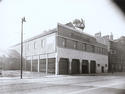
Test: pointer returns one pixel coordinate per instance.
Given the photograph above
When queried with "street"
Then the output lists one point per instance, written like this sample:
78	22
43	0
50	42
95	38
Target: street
64	84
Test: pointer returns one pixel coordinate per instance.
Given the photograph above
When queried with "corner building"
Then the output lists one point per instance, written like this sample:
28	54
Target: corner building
64	50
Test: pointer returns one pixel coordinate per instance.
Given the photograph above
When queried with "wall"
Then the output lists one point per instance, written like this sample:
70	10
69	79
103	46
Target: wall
74	54
71	42
70	38
38	46
43	45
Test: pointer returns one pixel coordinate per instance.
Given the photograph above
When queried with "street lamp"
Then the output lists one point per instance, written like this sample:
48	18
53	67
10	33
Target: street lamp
21	62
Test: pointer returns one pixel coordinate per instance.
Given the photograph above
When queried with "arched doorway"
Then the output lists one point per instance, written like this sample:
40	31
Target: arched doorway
92	66
64	66
85	66
75	66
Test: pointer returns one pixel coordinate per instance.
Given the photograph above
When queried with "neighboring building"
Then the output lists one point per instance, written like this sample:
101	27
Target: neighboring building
117	55
65	50
116	51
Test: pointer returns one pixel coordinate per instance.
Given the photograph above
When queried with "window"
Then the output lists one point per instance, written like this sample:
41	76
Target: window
75	44
70	44
42	43
61	42
102	50
64	43
89	48
34	45
79	46
96	49
98	65
106	65
27	46
84	46
93	48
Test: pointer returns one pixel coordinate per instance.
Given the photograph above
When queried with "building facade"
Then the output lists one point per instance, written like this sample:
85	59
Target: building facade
64	50
117	55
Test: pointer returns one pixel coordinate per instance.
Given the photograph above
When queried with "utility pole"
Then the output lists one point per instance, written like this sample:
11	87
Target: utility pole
21	62
121	64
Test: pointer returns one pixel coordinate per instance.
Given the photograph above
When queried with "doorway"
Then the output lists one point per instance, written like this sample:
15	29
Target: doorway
85	66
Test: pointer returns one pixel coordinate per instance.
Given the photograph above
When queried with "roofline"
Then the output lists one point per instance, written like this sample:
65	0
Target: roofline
75	30
37	36
80	32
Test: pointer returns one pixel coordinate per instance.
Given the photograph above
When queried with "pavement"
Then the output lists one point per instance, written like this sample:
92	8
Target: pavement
107	83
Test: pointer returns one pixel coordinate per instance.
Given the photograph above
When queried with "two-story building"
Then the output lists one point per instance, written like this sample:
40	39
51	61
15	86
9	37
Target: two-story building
64	50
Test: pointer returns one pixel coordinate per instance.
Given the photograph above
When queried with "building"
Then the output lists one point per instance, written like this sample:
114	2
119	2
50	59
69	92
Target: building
117	55
116	52
64	50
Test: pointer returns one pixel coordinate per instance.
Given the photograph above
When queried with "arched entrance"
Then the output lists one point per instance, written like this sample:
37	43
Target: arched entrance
85	66
92	66
75	66
64	66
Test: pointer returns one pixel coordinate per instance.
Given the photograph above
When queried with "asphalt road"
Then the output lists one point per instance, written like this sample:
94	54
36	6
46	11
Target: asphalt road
63	85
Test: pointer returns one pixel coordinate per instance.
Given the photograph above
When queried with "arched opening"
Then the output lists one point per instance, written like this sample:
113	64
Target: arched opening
92	66
75	66
64	66
85	66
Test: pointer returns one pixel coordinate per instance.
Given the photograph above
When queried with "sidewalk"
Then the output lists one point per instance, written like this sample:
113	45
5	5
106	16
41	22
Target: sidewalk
28	74
103	74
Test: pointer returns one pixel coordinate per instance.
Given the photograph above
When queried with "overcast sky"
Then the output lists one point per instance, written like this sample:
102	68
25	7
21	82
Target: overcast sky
41	15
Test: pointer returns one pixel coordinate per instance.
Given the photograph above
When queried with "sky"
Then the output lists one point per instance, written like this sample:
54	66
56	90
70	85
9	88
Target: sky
42	15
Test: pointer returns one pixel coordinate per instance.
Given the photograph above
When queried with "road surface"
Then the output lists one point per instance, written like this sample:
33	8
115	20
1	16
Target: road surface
63	85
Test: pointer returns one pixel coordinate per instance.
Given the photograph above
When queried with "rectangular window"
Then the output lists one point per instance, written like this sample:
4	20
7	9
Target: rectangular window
34	45
98	50
75	44
106	65
64	42
106	51
93	48
61	42
27	48
84	46
42	43
89	48
98	65
70	44
79	46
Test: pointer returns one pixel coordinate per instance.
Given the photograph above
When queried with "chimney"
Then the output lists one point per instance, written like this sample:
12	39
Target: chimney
98	35
111	36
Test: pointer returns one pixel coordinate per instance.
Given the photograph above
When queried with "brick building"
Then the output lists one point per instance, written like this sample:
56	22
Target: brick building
64	50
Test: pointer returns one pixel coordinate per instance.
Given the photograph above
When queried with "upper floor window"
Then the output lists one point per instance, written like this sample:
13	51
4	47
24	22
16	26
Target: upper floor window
61	42
34	45
84	46
27	47
98	49
42	43
93	48
75	44
89	48
64	42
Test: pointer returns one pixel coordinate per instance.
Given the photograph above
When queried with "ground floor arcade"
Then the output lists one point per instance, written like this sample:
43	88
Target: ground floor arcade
57	64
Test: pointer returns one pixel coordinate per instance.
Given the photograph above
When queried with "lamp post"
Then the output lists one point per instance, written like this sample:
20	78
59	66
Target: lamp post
21	62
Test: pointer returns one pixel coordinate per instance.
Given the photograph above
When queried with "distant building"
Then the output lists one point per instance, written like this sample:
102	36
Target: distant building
117	55
65	50
116	51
